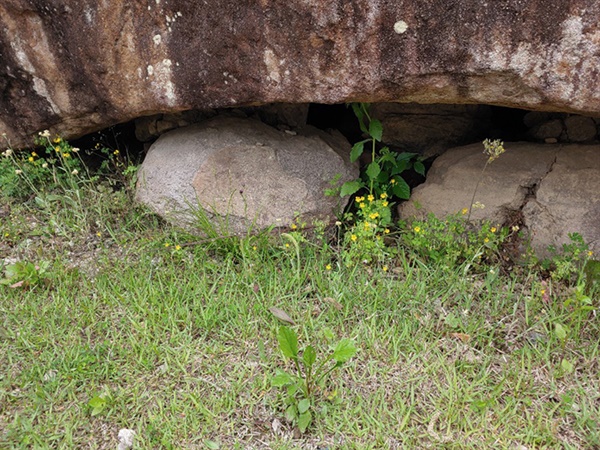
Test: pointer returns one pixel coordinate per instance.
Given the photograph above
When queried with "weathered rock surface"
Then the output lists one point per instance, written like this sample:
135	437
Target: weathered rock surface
80	65
555	187
244	174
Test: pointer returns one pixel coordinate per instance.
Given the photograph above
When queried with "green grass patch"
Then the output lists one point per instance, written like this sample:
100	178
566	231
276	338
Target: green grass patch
136	324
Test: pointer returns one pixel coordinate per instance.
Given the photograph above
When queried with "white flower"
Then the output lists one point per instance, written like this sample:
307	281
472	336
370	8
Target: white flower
18	172
75	172
74	149
45	133
8	152
45	165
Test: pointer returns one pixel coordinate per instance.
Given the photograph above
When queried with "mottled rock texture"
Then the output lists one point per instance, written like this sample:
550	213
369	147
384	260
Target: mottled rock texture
242	174
554	188
80	65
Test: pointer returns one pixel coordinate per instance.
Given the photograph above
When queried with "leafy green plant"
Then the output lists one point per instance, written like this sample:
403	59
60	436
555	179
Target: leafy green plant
25	274
383	174
53	165
98	403
301	387
451	241
568	265
365	239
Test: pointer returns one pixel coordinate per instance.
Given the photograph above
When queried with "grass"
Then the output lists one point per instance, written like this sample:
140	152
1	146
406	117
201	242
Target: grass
179	345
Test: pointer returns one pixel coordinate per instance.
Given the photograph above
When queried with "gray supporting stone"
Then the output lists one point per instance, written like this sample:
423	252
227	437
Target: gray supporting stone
244	174
555	187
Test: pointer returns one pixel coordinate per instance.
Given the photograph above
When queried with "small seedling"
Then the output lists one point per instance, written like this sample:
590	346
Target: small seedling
25	274
301	387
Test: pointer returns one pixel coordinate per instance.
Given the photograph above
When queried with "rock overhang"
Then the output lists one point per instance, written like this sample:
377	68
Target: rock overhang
81	66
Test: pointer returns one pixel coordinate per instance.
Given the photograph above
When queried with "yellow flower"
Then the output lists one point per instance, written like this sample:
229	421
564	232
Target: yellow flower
116	152
99	234
359	199
328	267
384	268
464	211
493	229
34	154
178	247
293	226
66	155
287	245
384	195
486	240
57	149
362	206
57	139
367	225
543	291
392	181
254	247
386	231
6	234
590	253
417	229
374	215
354	237
385	203
370	198
30	159
167	244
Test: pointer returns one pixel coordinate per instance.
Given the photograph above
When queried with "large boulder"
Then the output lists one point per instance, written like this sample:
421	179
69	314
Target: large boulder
77	66
243	174
554	189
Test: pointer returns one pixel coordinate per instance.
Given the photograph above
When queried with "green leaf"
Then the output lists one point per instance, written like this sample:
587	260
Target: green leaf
303	405
281	379
212	445
359	112
560	331
419	168
304	421
376	130
399	167
406	156
567	366
310	356
290	413
344	350
350	187
373	170
357	150
288	342
401	189
388	157
97	402
293	388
